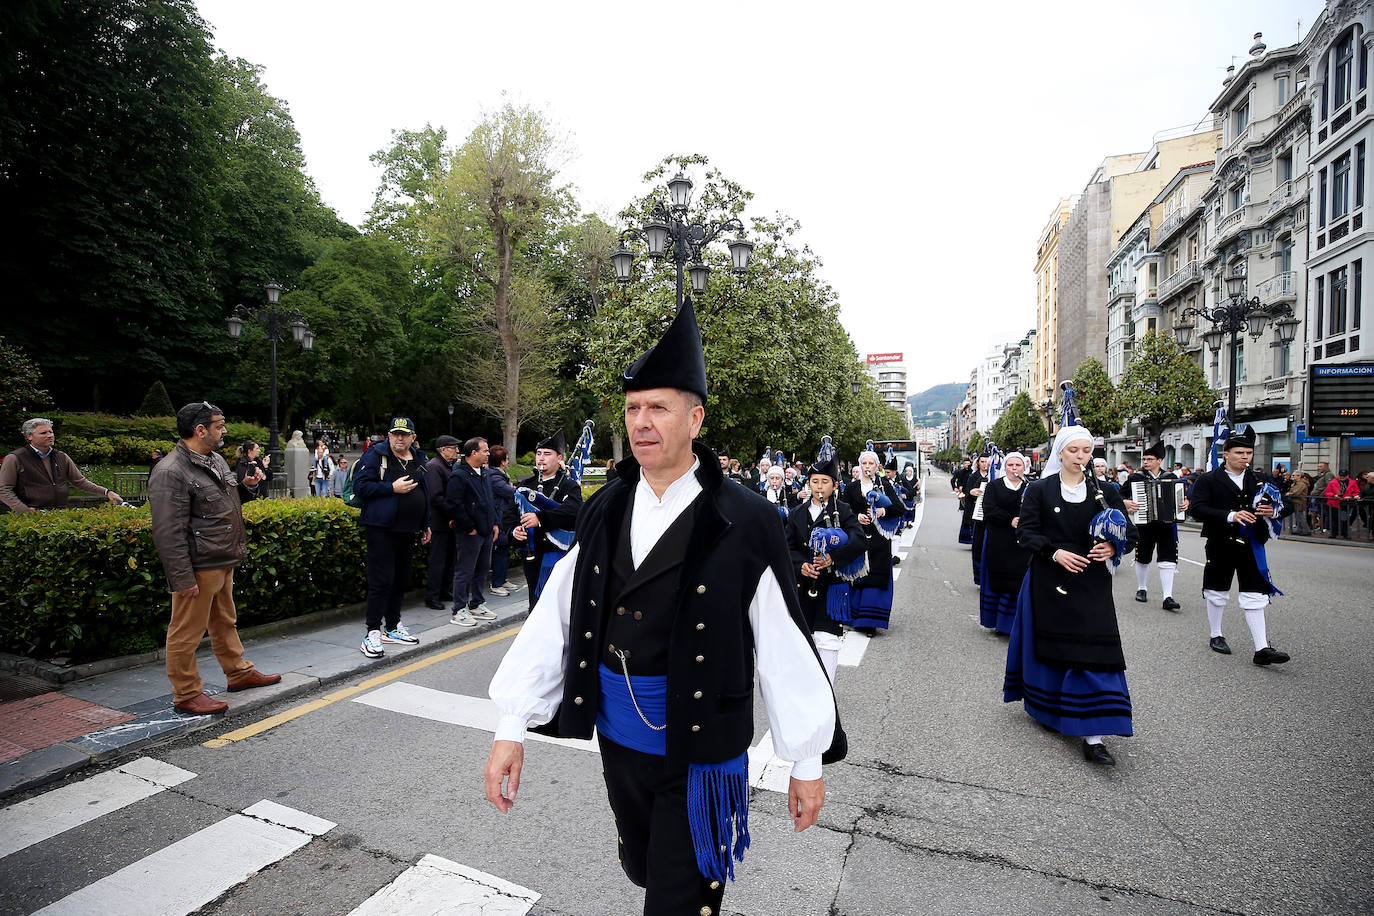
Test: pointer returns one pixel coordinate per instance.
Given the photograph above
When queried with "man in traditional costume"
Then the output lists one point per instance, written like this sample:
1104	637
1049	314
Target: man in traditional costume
649	632
1237	511
551	479
1160	534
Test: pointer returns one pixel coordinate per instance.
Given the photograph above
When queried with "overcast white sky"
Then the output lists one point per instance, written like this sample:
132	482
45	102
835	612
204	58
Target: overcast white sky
922	146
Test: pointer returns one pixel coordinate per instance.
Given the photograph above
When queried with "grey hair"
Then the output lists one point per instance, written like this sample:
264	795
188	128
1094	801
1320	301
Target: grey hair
31	425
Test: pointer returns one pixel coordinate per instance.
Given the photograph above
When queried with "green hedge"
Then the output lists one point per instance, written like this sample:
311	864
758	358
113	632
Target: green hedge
105	426
87	583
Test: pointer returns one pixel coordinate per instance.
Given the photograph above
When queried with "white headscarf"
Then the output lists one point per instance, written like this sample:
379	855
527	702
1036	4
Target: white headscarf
1066	435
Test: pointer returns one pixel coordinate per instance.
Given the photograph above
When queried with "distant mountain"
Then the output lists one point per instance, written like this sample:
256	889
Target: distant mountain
936	398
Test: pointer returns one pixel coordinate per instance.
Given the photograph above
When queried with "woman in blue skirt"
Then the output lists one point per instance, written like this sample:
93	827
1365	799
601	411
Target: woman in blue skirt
1064	660
1004	561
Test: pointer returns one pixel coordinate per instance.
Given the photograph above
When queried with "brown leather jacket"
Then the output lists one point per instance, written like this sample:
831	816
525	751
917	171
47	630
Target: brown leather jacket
197	522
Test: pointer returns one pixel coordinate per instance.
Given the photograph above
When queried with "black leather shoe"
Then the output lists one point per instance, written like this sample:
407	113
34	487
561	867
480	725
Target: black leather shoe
896	561
1098	754
1141	596
434	605
1218	644
1170	604
1270	656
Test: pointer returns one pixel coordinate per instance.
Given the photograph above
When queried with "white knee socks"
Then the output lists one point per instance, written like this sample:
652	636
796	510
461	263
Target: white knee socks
828	646
1142	574
1166	578
1216	604
1254	604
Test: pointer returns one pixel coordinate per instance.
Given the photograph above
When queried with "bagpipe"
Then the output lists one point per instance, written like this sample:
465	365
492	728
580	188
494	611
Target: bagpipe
1109	525
529	500
890	524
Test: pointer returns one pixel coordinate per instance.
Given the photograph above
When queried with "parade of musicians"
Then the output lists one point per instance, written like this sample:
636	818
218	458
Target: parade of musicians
643	460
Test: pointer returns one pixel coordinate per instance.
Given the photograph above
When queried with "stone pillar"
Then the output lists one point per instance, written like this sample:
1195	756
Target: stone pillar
297	466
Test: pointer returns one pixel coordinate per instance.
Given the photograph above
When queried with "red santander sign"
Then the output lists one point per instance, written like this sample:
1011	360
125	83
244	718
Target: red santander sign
876	359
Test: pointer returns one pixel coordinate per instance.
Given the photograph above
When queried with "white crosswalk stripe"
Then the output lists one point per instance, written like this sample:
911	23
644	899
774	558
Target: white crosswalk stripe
435	885
226	853
59	810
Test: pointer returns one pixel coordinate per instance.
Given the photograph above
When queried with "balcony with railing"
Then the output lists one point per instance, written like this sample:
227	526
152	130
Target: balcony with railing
1281	197
1185	276
1235	146
1174	222
1227	224
1119	289
1278	288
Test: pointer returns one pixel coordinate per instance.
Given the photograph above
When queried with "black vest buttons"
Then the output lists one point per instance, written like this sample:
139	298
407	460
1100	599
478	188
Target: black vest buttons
701	626
592	603
577	700
587	635
715	884
701	658
582	664
697	695
696	728
701	589
620	611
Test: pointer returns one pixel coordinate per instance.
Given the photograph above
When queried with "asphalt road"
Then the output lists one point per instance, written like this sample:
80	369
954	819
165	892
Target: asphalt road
1244	790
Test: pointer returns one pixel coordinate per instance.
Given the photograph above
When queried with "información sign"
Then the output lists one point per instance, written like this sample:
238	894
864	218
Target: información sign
1340	400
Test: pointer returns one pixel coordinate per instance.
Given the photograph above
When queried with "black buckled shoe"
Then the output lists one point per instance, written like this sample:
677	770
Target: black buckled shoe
1218	644
1270	656
1141	596
1098	754
1170	604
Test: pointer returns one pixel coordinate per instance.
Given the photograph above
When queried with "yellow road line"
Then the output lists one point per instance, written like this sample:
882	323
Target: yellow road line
281	718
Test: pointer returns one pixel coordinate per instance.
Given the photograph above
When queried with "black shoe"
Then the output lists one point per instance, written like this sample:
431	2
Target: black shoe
1141	596
1270	656
1170	604
1098	753
434	605
867	631
1218	644
896	561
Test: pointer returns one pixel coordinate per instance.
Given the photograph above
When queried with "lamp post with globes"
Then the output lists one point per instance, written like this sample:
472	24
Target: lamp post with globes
671	233
274	320
1231	317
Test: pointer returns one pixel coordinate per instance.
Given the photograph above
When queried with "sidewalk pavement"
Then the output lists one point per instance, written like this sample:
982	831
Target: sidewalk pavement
48	730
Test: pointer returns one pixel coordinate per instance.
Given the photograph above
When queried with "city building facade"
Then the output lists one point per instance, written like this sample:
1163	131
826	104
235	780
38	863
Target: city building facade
1047	291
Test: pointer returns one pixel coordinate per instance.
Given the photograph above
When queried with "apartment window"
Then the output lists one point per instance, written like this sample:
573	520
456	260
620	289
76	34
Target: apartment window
1149	325
1240	118
1336	310
1238	361
1216	369
1282	82
1340	187
1357	294
1321	199
1326	83
1364	65
1283	360
1321	298
1359	174
1344	59
1285	257
1192	248
1173	262
1285	170
1234	198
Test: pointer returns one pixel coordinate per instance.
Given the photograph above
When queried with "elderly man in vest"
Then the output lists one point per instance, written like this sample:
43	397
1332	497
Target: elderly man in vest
38	476
677	583
198	531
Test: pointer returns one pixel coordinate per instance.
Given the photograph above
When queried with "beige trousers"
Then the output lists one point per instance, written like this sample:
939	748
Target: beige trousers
212	609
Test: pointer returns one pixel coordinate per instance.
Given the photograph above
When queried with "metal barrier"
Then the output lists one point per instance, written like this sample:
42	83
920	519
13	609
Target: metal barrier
1352	519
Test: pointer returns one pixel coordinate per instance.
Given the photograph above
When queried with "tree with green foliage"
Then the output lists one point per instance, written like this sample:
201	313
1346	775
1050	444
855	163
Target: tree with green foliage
1019	427
1162	385
21	391
1097	405
779	366
975	444
156	403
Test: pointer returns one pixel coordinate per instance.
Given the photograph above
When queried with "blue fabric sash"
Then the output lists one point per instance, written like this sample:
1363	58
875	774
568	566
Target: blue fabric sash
837	606
546	564
1272	493
717	793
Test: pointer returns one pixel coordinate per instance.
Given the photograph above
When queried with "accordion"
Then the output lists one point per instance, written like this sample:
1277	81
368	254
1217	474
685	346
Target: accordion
1159	501
978	505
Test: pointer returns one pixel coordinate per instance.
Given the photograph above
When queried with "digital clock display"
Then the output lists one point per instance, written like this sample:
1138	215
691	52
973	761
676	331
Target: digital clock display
1340	400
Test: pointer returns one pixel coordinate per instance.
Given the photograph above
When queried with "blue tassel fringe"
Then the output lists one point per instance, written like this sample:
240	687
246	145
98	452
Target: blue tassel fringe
718	813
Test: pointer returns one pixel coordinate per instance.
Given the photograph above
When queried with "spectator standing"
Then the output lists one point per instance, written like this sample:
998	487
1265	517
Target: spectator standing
321	469
1299	488
253	472
507	517
442	547
339	478
1342	496
468	501
38	475
1366	482
610	469
1324	477
198	531
390	480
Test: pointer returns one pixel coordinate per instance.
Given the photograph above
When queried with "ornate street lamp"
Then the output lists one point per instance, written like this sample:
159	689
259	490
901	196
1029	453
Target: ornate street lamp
671	232
275	320
1231	317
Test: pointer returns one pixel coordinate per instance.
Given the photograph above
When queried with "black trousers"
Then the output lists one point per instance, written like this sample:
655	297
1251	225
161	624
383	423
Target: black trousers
531	567
655	842
1155	534
388	574
1227	559
439	584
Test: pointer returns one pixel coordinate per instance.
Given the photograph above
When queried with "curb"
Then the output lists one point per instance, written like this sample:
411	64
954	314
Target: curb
66	757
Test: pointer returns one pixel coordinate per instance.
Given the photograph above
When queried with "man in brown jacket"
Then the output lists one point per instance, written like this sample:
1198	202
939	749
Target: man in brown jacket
198	530
37	476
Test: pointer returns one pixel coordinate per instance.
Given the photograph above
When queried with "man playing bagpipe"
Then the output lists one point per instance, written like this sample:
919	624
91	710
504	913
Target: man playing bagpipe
552	481
828	552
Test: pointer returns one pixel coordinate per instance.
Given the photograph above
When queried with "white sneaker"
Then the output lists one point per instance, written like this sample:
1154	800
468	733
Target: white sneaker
400	634
513	586
481	612
463	619
372	644
500	591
